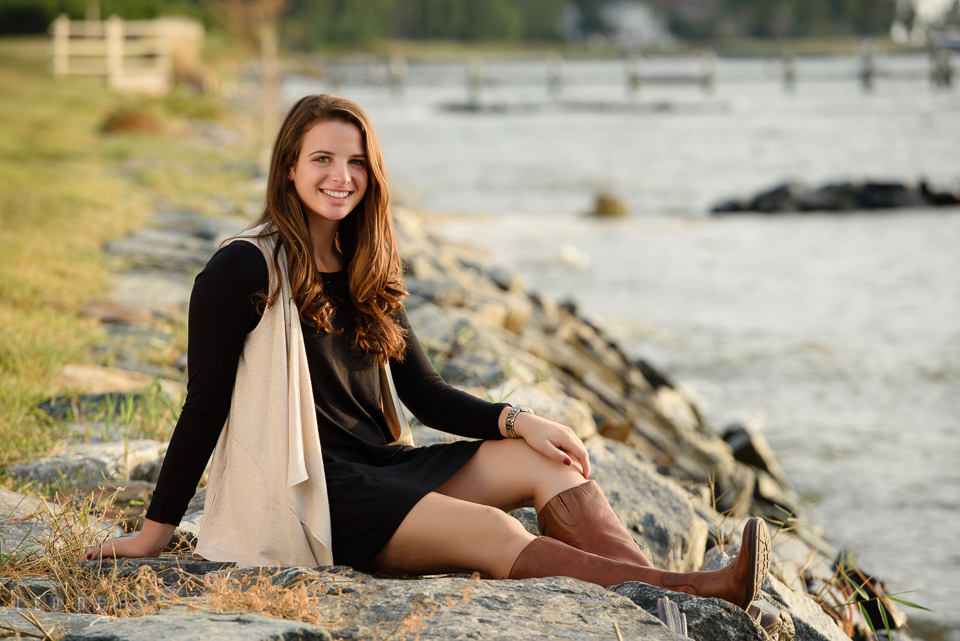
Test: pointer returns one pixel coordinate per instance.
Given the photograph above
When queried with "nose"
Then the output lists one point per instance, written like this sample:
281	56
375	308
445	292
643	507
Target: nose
340	173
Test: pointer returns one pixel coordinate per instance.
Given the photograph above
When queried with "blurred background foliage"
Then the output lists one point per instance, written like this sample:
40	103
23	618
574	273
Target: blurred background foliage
309	25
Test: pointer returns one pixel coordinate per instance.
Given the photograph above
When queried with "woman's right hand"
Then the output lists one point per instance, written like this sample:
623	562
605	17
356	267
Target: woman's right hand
149	541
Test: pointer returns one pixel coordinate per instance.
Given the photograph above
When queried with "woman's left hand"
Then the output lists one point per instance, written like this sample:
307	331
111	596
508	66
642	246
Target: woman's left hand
553	440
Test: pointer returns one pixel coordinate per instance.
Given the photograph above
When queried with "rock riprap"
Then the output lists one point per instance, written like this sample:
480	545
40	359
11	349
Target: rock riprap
680	489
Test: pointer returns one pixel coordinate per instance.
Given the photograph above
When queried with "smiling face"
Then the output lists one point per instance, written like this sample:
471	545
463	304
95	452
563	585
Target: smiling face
330	174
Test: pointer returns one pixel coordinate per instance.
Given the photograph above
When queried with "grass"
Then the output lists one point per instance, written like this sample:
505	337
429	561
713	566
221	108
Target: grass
66	187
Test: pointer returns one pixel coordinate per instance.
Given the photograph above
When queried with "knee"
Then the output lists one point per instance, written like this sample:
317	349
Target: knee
502	526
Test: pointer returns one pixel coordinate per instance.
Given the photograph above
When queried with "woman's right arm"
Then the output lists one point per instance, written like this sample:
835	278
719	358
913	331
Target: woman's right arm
222	312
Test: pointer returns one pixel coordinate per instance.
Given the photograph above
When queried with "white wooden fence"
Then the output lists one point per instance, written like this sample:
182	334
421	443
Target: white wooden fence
132	55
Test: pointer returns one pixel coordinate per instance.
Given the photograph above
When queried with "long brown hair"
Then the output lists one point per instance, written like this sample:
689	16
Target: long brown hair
365	237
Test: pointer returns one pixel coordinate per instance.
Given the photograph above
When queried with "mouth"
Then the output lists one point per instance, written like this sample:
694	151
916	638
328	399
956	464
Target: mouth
336	194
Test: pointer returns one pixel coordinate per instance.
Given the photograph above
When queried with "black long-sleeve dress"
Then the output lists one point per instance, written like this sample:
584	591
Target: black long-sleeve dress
371	485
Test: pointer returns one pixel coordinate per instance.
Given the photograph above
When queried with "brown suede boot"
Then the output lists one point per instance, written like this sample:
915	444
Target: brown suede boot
738	583
582	518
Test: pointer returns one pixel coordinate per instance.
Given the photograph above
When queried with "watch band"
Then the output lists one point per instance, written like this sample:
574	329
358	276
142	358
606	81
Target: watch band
512	417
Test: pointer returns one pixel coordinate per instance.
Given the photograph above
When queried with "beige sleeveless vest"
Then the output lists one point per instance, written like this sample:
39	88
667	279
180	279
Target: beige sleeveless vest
266	498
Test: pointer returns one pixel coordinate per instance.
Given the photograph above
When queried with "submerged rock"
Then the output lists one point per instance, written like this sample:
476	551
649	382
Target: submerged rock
842	196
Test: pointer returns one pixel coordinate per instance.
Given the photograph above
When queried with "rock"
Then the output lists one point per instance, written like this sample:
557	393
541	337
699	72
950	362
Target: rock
607	206
707	619
23	538
781	198
833	197
551	403
751	447
795	560
69	623
107	311
196	503
123	503
459	608
89	406
89	465
887	195
175	625
93	431
809	619
676	409
772	500
840	196
473	369
773	497
528	517
187	534
154	290
172	569
715	559
440	292
506	279
432	326
95	379
169	249
734	488
654	510
14	505
32	592
777	623
867	592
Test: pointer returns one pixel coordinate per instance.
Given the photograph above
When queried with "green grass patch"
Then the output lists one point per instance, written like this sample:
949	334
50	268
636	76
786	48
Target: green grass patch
66	187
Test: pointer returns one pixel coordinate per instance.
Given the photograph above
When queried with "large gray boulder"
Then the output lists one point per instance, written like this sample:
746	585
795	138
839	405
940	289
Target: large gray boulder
707	619
460	608
15	619
654	509
23	538
14	505
176	625
89	465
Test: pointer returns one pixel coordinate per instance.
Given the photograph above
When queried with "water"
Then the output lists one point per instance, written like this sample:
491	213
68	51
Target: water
840	335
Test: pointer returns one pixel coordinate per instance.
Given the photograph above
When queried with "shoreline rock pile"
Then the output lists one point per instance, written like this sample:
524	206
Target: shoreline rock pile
840	197
679	488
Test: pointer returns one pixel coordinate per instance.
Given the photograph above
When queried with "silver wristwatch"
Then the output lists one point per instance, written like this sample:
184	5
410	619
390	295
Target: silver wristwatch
512	416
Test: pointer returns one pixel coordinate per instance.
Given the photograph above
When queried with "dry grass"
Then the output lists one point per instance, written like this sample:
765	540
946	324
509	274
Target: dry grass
71	586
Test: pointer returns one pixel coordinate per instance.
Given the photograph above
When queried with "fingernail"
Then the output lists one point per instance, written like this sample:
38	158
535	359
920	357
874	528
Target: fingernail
567	461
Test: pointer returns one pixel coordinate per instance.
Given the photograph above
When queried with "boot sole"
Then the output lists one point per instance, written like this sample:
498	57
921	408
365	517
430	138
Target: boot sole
756	543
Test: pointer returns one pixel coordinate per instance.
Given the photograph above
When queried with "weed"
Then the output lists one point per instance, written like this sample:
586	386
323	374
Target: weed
850	593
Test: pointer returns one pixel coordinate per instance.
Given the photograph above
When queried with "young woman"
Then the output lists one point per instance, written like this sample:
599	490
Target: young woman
297	334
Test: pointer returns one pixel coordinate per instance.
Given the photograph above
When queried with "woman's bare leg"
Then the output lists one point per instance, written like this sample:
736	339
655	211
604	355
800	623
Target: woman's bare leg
464	526
508	475
445	534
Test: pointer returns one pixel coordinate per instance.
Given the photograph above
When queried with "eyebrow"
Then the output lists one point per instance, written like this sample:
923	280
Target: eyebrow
330	153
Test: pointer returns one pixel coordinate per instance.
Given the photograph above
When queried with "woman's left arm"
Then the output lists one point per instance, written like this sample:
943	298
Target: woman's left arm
443	407
437	404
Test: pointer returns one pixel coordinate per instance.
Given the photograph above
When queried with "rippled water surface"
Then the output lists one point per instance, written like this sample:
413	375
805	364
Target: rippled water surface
840	335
